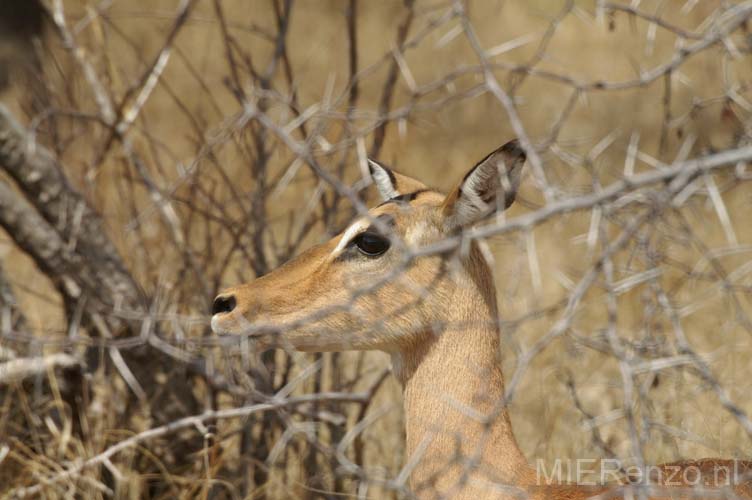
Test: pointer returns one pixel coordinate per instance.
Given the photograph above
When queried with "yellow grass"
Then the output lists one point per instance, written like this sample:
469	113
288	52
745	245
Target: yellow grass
437	145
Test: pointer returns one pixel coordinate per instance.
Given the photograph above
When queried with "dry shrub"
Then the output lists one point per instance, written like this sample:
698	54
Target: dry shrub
216	139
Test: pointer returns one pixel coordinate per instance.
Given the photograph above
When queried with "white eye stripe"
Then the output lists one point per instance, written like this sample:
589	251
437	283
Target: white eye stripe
358	227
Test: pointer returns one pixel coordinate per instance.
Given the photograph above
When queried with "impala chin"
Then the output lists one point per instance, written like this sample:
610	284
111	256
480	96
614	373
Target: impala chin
217	326
236	325
225	324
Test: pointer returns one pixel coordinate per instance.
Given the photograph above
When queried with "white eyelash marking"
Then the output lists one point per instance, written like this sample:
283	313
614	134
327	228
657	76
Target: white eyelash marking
357	227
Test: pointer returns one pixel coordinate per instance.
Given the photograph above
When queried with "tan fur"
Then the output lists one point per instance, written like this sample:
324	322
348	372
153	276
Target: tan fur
405	184
437	318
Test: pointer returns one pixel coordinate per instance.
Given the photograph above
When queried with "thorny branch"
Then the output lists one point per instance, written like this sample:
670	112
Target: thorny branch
248	155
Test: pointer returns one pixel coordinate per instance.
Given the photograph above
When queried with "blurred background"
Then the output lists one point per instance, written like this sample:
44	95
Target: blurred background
154	152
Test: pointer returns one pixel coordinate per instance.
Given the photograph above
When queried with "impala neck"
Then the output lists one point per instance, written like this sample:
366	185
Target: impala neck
452	381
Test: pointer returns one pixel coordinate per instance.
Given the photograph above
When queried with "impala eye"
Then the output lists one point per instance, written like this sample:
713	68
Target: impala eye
371	244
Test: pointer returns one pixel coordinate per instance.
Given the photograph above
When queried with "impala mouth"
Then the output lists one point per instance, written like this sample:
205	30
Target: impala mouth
225	325
217	326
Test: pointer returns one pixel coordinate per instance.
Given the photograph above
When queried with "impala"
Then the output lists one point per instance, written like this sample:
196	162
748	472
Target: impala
434	312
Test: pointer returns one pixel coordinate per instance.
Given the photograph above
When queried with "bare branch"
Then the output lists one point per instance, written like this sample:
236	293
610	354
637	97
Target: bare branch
20	369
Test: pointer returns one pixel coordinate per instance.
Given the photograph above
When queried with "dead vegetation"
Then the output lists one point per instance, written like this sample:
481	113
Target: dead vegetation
162	150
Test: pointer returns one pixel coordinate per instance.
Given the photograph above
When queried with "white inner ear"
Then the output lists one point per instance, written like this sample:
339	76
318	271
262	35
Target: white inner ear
471	188
494	173
469	207
383	180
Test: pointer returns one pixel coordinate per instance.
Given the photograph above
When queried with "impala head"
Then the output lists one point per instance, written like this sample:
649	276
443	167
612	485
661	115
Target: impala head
366	288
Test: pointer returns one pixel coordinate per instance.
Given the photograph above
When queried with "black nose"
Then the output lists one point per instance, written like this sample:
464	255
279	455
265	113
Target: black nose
223	304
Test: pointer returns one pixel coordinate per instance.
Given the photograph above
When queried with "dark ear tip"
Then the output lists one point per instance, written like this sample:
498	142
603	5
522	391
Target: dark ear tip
514	148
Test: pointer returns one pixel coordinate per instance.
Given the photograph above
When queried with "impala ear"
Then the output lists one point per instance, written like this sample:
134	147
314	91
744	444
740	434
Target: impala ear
391	184
489	186
384	179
